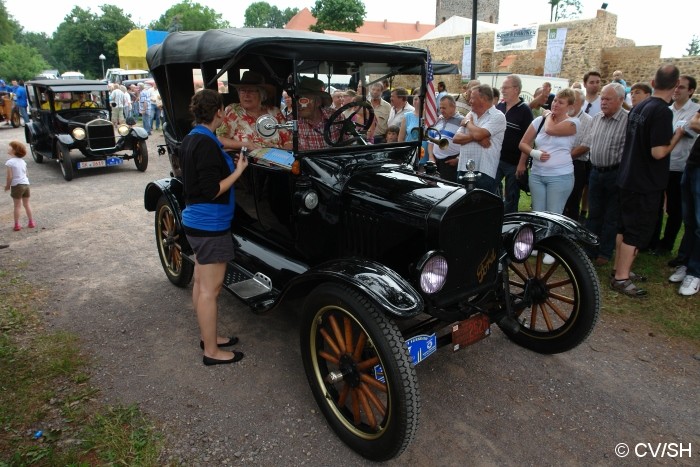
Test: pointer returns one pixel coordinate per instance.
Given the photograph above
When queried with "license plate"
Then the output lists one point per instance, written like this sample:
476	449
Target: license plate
470	330
110	161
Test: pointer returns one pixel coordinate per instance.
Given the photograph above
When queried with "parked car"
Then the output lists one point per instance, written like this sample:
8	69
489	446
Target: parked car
71	115
126	77
387	263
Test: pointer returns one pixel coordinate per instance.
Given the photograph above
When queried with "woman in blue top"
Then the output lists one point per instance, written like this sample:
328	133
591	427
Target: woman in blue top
411	121
208	175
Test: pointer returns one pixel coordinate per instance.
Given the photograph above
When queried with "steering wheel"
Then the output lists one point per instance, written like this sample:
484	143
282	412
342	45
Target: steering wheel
350	131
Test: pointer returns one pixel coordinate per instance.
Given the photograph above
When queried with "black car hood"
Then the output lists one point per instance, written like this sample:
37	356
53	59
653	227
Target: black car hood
394	190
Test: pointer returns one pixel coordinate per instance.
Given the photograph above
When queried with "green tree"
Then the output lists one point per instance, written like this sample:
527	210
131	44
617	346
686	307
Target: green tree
569	9
83	36
264	15
188	16
338	15
693	49
553	7
20	62
38	41
564	9
8	27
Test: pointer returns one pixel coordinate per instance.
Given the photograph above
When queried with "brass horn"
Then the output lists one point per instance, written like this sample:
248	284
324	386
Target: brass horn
440	141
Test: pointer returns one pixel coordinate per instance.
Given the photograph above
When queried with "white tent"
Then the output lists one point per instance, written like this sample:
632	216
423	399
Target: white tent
458	26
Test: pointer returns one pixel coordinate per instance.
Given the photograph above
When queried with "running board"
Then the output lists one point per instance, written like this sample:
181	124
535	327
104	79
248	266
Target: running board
245	285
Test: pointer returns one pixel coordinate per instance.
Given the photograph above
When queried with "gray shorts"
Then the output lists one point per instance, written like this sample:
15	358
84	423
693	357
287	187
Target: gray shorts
212	250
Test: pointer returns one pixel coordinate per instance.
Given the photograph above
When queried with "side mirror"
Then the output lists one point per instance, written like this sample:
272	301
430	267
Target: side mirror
266	125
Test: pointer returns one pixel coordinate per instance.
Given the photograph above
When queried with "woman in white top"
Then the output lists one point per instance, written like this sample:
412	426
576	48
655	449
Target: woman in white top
552	173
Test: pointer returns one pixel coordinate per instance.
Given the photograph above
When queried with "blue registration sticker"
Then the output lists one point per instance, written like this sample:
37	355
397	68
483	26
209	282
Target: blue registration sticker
421	347
113	161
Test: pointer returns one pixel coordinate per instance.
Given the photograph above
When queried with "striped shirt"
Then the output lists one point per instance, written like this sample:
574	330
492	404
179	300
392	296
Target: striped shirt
447	128
581	133
606	138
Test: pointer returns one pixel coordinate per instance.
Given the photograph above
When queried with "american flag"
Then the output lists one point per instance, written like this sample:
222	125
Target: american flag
430	111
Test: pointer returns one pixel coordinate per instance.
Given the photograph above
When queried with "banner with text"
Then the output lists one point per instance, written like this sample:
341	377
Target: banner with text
556	40
518	38
467	59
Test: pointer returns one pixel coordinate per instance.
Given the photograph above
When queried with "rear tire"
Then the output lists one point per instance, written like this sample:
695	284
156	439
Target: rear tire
15	118
564	297
169	242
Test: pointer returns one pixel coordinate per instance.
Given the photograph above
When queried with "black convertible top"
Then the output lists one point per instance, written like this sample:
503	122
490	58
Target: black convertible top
227	44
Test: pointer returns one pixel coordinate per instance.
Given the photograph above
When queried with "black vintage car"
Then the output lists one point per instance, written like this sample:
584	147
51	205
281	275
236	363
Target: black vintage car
388	263
75	114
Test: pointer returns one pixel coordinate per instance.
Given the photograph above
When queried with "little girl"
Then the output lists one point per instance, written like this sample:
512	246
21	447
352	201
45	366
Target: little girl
18	183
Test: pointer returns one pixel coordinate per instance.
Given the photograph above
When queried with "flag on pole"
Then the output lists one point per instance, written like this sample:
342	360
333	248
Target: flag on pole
430	111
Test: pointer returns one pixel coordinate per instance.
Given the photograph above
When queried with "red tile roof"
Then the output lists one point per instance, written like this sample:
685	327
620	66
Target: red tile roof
370	31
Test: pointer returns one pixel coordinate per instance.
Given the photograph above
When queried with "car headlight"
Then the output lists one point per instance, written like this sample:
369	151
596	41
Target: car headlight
520	242
433	273
123	130
78	133
310	200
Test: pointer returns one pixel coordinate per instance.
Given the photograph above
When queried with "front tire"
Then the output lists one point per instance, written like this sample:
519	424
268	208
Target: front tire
168	239
564	297
64	159
141	155
360	372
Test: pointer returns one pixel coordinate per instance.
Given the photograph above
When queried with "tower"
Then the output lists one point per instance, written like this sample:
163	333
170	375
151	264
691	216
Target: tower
487	10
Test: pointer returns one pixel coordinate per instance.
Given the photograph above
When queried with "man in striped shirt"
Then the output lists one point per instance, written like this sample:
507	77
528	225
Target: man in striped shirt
605	138
448	123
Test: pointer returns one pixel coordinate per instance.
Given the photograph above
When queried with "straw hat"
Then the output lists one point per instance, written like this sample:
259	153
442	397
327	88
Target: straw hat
251	78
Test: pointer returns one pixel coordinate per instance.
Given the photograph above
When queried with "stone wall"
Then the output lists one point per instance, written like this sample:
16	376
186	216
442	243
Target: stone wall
591	44
487	10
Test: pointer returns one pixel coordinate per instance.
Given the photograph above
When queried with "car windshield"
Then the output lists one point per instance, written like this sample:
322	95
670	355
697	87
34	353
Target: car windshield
323	105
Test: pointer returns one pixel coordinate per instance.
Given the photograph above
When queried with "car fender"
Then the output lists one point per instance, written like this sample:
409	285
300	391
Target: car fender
549	224
65	139
139	132
388	290
171	188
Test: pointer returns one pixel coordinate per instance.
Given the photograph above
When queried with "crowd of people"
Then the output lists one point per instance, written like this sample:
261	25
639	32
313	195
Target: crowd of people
611	157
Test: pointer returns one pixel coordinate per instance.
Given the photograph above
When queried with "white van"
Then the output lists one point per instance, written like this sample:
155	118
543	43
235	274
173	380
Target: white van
72	75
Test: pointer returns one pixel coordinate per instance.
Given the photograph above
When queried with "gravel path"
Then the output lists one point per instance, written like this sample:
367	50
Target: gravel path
491	404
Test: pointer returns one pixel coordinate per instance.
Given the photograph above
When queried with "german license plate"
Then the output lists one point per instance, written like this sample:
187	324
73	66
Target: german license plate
470	330
110	161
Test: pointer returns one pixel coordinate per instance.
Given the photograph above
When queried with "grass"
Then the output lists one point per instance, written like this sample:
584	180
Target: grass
664	309
45	387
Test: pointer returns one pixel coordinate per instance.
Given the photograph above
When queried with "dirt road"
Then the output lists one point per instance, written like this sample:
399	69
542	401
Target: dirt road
491	404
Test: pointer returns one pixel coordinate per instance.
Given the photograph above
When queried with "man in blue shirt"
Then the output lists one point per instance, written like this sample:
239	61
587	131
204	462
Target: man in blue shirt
21	101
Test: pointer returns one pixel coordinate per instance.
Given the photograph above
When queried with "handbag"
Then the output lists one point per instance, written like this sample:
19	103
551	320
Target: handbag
524	180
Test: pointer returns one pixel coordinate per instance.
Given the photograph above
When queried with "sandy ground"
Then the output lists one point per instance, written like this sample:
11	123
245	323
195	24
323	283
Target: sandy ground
491	404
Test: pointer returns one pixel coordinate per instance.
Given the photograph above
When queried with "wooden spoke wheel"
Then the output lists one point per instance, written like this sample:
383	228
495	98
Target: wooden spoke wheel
557	304
359	371
169	240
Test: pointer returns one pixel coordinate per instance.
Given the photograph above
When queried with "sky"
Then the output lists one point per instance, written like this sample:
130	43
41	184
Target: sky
667	25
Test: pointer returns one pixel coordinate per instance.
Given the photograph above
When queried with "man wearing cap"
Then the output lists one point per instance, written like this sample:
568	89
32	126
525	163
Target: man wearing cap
313	112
